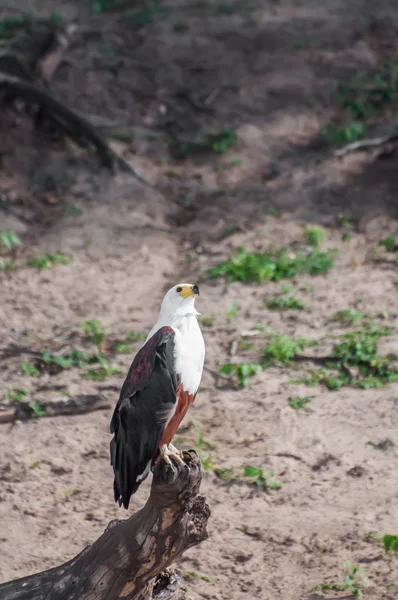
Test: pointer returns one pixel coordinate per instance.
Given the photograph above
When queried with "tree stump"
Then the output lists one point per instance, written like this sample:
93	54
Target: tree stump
128	561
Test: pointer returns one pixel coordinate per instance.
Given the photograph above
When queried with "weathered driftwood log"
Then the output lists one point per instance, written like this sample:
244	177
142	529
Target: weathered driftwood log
128	560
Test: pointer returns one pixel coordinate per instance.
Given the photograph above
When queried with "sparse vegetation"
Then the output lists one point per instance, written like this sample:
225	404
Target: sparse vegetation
9	239
389	243
297	403
348	316
102	372
29	370
46	261
390	542
135	336
286	301
282	348
272	265
219	143
355	581
355	361
93	331
242	371
251	475
314	235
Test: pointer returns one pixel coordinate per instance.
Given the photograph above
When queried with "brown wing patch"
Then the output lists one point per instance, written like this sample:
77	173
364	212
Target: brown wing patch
184	401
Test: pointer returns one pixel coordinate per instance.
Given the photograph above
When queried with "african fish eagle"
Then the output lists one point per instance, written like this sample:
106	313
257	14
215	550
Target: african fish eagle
159	388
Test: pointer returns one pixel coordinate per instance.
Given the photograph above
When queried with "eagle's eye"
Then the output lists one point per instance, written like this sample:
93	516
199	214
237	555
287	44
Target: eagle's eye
178	290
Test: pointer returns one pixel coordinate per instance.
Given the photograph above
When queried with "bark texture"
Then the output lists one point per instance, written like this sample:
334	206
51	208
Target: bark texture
128	561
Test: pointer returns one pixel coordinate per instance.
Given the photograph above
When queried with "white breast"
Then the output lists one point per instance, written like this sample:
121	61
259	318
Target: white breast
189	353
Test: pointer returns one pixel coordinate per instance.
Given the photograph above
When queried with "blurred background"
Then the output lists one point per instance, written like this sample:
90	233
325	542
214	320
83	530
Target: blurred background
249	148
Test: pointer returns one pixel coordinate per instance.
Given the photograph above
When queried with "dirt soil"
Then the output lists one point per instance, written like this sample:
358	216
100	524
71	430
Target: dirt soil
268	70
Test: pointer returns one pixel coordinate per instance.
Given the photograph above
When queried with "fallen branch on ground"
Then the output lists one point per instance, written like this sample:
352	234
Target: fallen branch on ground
127	561
77	405
29	80
366	144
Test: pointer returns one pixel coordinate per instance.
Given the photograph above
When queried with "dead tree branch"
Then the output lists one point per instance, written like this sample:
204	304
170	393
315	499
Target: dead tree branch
77	405
127	561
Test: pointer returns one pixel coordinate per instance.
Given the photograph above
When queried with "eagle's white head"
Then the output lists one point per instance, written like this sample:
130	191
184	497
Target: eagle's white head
180	300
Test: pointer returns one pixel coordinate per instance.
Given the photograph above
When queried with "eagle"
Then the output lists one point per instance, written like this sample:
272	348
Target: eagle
160	386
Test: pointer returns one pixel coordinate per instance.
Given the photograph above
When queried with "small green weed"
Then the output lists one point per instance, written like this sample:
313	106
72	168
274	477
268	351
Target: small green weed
204	448
222	141
6	264
20	396
135	336
389	243
390	542
93	331
354	582
351	132
17	395
29	370
348	316
314	235
232	311
261	479
207	321
102	372
272	265
286	301
191	575
9	239
46	261
297	403
251	475
242	371
355	361
123	348
218	143
75	358
282	348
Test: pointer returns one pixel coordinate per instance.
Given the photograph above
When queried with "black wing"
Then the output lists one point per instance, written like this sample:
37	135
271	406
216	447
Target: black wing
146	400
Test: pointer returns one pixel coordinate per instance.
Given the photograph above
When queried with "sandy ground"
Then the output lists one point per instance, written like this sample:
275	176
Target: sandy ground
275	67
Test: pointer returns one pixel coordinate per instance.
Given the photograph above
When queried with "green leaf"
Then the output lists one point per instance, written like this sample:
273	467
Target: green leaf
250	471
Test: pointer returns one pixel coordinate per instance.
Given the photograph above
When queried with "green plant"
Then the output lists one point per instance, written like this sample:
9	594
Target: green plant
29	370
282	348
203	446
102	372
135	336
206	321
272	265
93	331
354	582
75	358
261	479
6	264
123	348
355	361
297	403
232	311
348	316
390	542
314	235
17	395
20	396
46	261
222	141
242	371
351	132
9	240
286	300
389	243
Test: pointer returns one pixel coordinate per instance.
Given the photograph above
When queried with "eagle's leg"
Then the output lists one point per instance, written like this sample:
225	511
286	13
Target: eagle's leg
168	452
